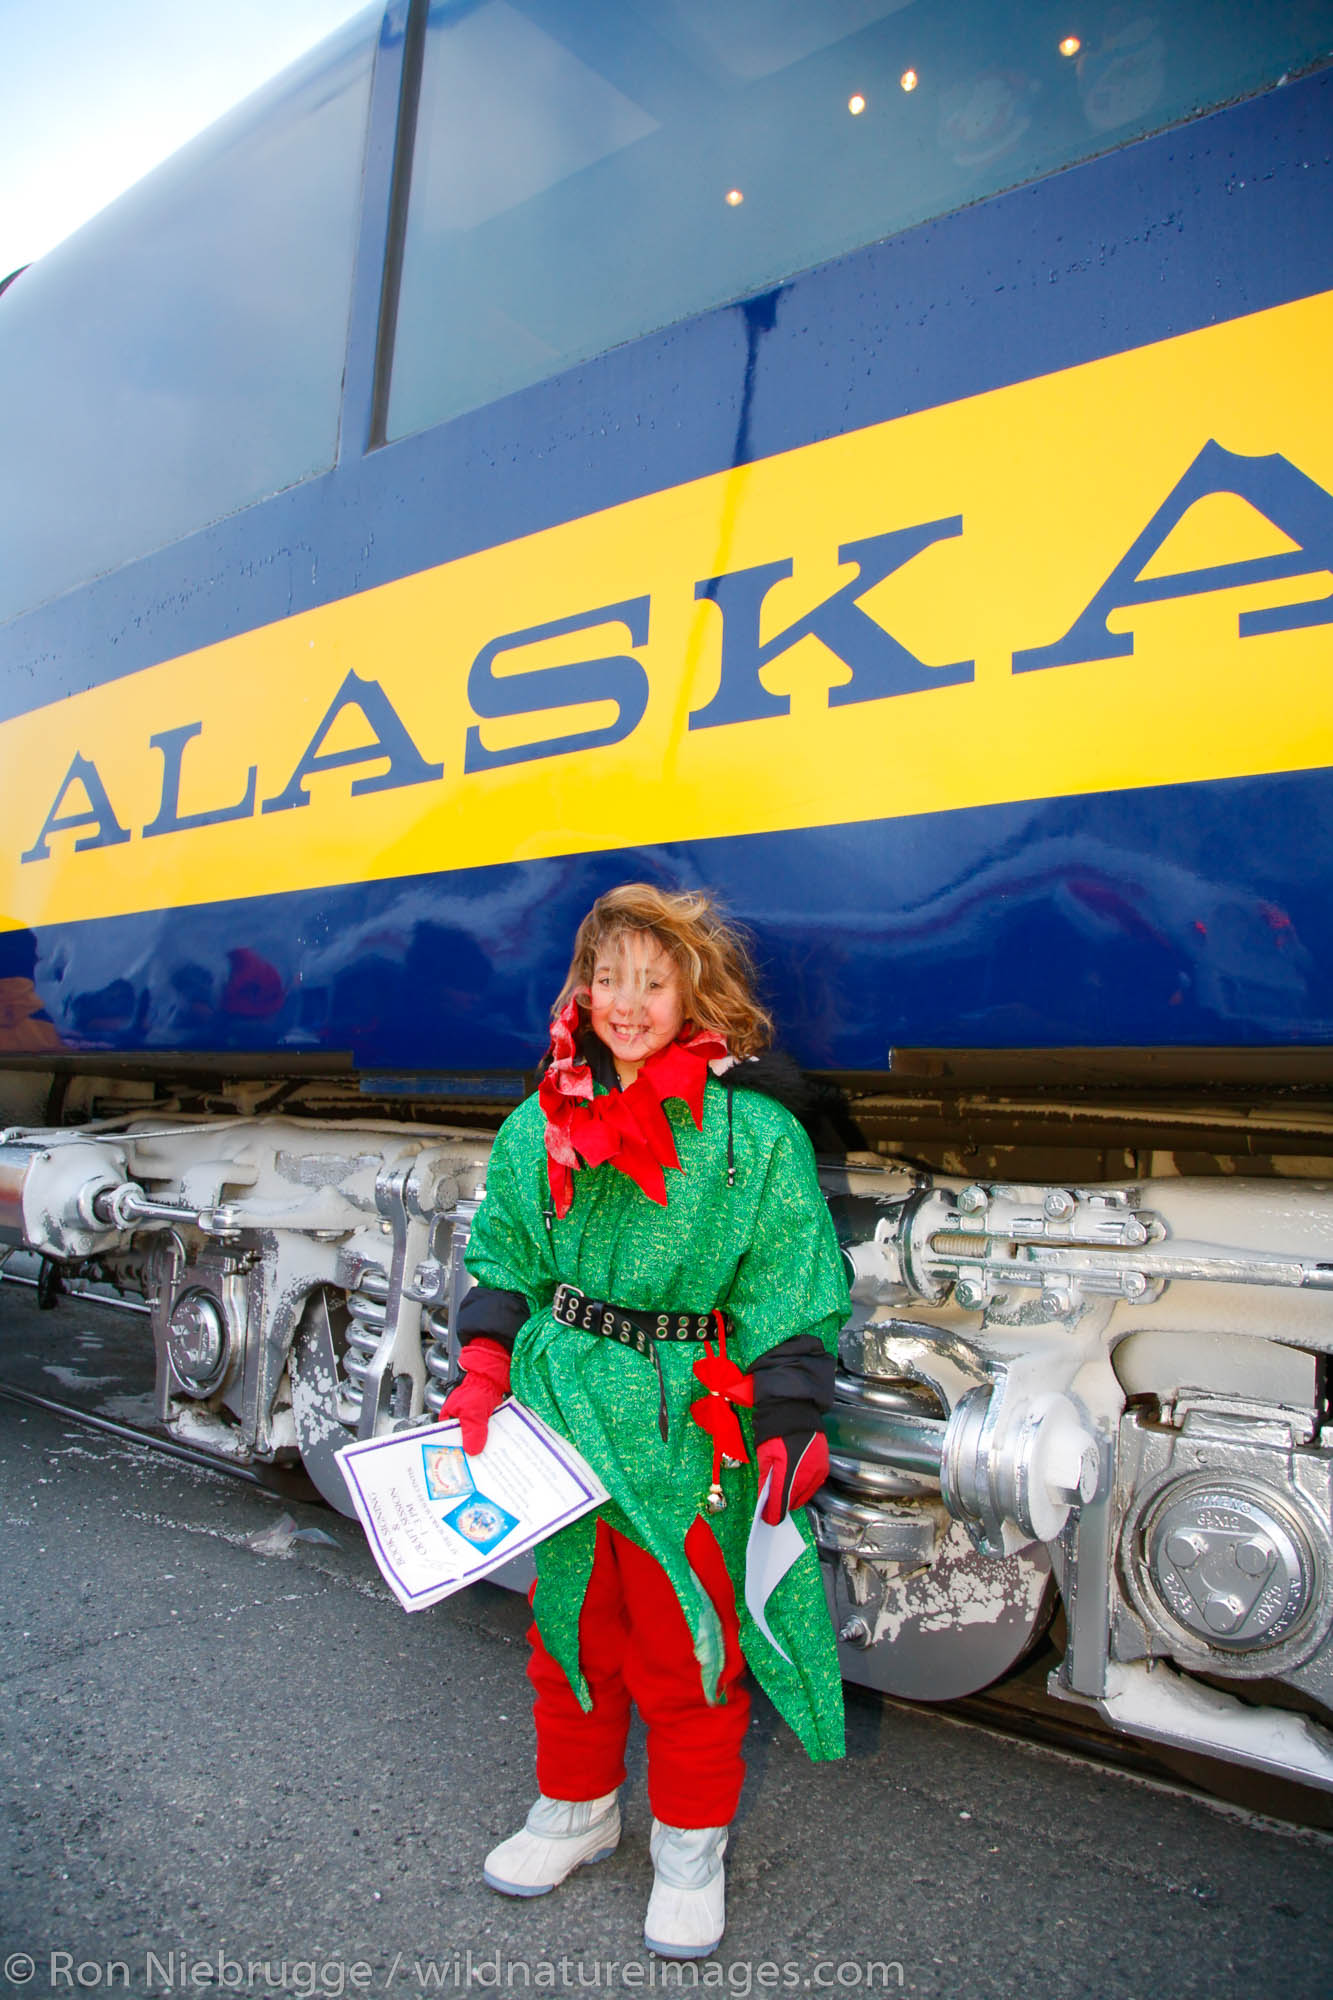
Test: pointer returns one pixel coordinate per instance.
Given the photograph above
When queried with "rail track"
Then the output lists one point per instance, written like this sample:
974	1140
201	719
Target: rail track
290	1485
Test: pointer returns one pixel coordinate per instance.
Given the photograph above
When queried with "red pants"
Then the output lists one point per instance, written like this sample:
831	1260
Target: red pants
634	1644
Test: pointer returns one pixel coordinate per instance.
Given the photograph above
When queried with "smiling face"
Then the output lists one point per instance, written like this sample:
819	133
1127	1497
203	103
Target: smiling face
635	1000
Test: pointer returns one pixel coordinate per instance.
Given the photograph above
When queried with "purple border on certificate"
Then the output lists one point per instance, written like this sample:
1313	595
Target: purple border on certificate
497	1557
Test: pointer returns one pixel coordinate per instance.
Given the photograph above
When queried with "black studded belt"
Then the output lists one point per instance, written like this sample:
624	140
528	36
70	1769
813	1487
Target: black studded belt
643	1331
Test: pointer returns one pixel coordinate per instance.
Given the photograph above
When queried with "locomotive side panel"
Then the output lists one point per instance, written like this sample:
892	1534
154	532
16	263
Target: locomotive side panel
1107	502
827	653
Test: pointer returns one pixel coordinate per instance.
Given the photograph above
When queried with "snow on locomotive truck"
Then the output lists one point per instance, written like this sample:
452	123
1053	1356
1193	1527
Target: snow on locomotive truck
872	459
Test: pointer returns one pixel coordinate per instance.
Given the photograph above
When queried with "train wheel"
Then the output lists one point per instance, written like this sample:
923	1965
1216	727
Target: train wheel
940	1633
319	1396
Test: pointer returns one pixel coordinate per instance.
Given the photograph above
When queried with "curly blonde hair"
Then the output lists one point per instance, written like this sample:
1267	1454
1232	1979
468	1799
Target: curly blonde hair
716	973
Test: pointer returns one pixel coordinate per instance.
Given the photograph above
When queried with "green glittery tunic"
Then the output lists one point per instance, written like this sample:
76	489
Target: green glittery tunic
764	1250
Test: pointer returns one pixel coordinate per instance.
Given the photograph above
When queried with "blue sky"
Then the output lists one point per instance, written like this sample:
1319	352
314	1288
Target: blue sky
97	92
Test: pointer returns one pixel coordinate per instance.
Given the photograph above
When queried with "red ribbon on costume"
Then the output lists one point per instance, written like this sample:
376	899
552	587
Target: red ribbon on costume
627	1128
726	1384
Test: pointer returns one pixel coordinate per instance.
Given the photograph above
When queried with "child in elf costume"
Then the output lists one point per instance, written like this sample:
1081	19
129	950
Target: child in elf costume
658	1278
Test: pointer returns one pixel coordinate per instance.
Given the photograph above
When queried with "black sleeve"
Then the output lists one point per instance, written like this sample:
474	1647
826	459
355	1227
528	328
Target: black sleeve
486	1314
793	1386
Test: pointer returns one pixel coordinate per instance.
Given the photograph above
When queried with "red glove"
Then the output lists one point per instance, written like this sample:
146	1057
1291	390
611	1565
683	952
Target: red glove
484	1386
799	1467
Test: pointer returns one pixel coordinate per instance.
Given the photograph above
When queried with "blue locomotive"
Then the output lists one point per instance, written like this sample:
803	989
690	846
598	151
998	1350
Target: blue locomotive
872	458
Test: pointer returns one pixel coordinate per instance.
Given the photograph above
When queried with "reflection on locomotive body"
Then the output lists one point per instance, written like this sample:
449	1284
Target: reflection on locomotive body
24	1024
870	458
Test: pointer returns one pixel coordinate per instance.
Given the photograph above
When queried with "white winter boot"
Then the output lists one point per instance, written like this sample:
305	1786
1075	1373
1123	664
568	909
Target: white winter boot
557	1837
687	1911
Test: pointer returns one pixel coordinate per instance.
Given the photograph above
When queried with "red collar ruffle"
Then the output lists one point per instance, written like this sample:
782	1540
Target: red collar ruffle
628	1128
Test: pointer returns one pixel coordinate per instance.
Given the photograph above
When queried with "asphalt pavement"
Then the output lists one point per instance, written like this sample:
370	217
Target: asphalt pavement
231	1771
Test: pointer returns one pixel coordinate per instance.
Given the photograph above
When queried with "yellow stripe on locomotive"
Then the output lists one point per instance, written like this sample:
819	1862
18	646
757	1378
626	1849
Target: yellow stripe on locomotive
1111	577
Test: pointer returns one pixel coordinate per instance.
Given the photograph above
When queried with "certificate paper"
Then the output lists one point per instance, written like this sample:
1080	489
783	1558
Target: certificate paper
437	1519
